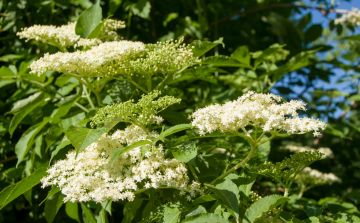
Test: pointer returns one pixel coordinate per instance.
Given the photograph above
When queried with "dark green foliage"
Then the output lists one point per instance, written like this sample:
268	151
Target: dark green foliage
264	46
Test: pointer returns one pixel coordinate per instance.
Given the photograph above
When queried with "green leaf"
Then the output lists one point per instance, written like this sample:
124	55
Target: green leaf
353	98
24	103
95	33
185	151
88	216
53	191
171	214
52	206
23	108
6	72
10	193
224	61
242	55
333	131
64	142
207	217
257	209
345	218
354	37
5	82
130	210
52	135
313	210
10	57
170	17
313	33
64	107
201	47
268	52
298	61
107	206
118	152
144	150
197	210
150	205
81	137
312	220
175	129
88	20
142	9
102	217
28	196
24	144
72	210
204	198
228	192
245	180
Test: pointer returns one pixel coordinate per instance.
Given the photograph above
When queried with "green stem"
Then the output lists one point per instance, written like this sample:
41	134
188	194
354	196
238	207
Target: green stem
98	98
237	166
167	78
268	139
247	133
281	207
260	137
97	93
302	190
103	85
242	136
193	172
87	95
149	84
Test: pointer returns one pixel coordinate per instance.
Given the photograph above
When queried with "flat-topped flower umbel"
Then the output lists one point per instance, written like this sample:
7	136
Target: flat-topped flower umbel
90	177
260	111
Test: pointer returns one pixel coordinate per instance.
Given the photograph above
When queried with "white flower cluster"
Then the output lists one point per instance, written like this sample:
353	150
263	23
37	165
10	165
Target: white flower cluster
90	177
297	149
351	18
314	177
257	110
105	59
108	30
59	36
65	36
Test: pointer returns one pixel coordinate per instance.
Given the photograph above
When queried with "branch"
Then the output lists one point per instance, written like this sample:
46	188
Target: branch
8	159
266	7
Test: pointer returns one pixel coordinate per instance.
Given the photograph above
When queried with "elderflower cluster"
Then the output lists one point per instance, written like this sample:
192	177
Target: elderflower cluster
257	110
297	149
351	18
286	170
90	177
142	113
106	59
164	58
65	36
312	177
